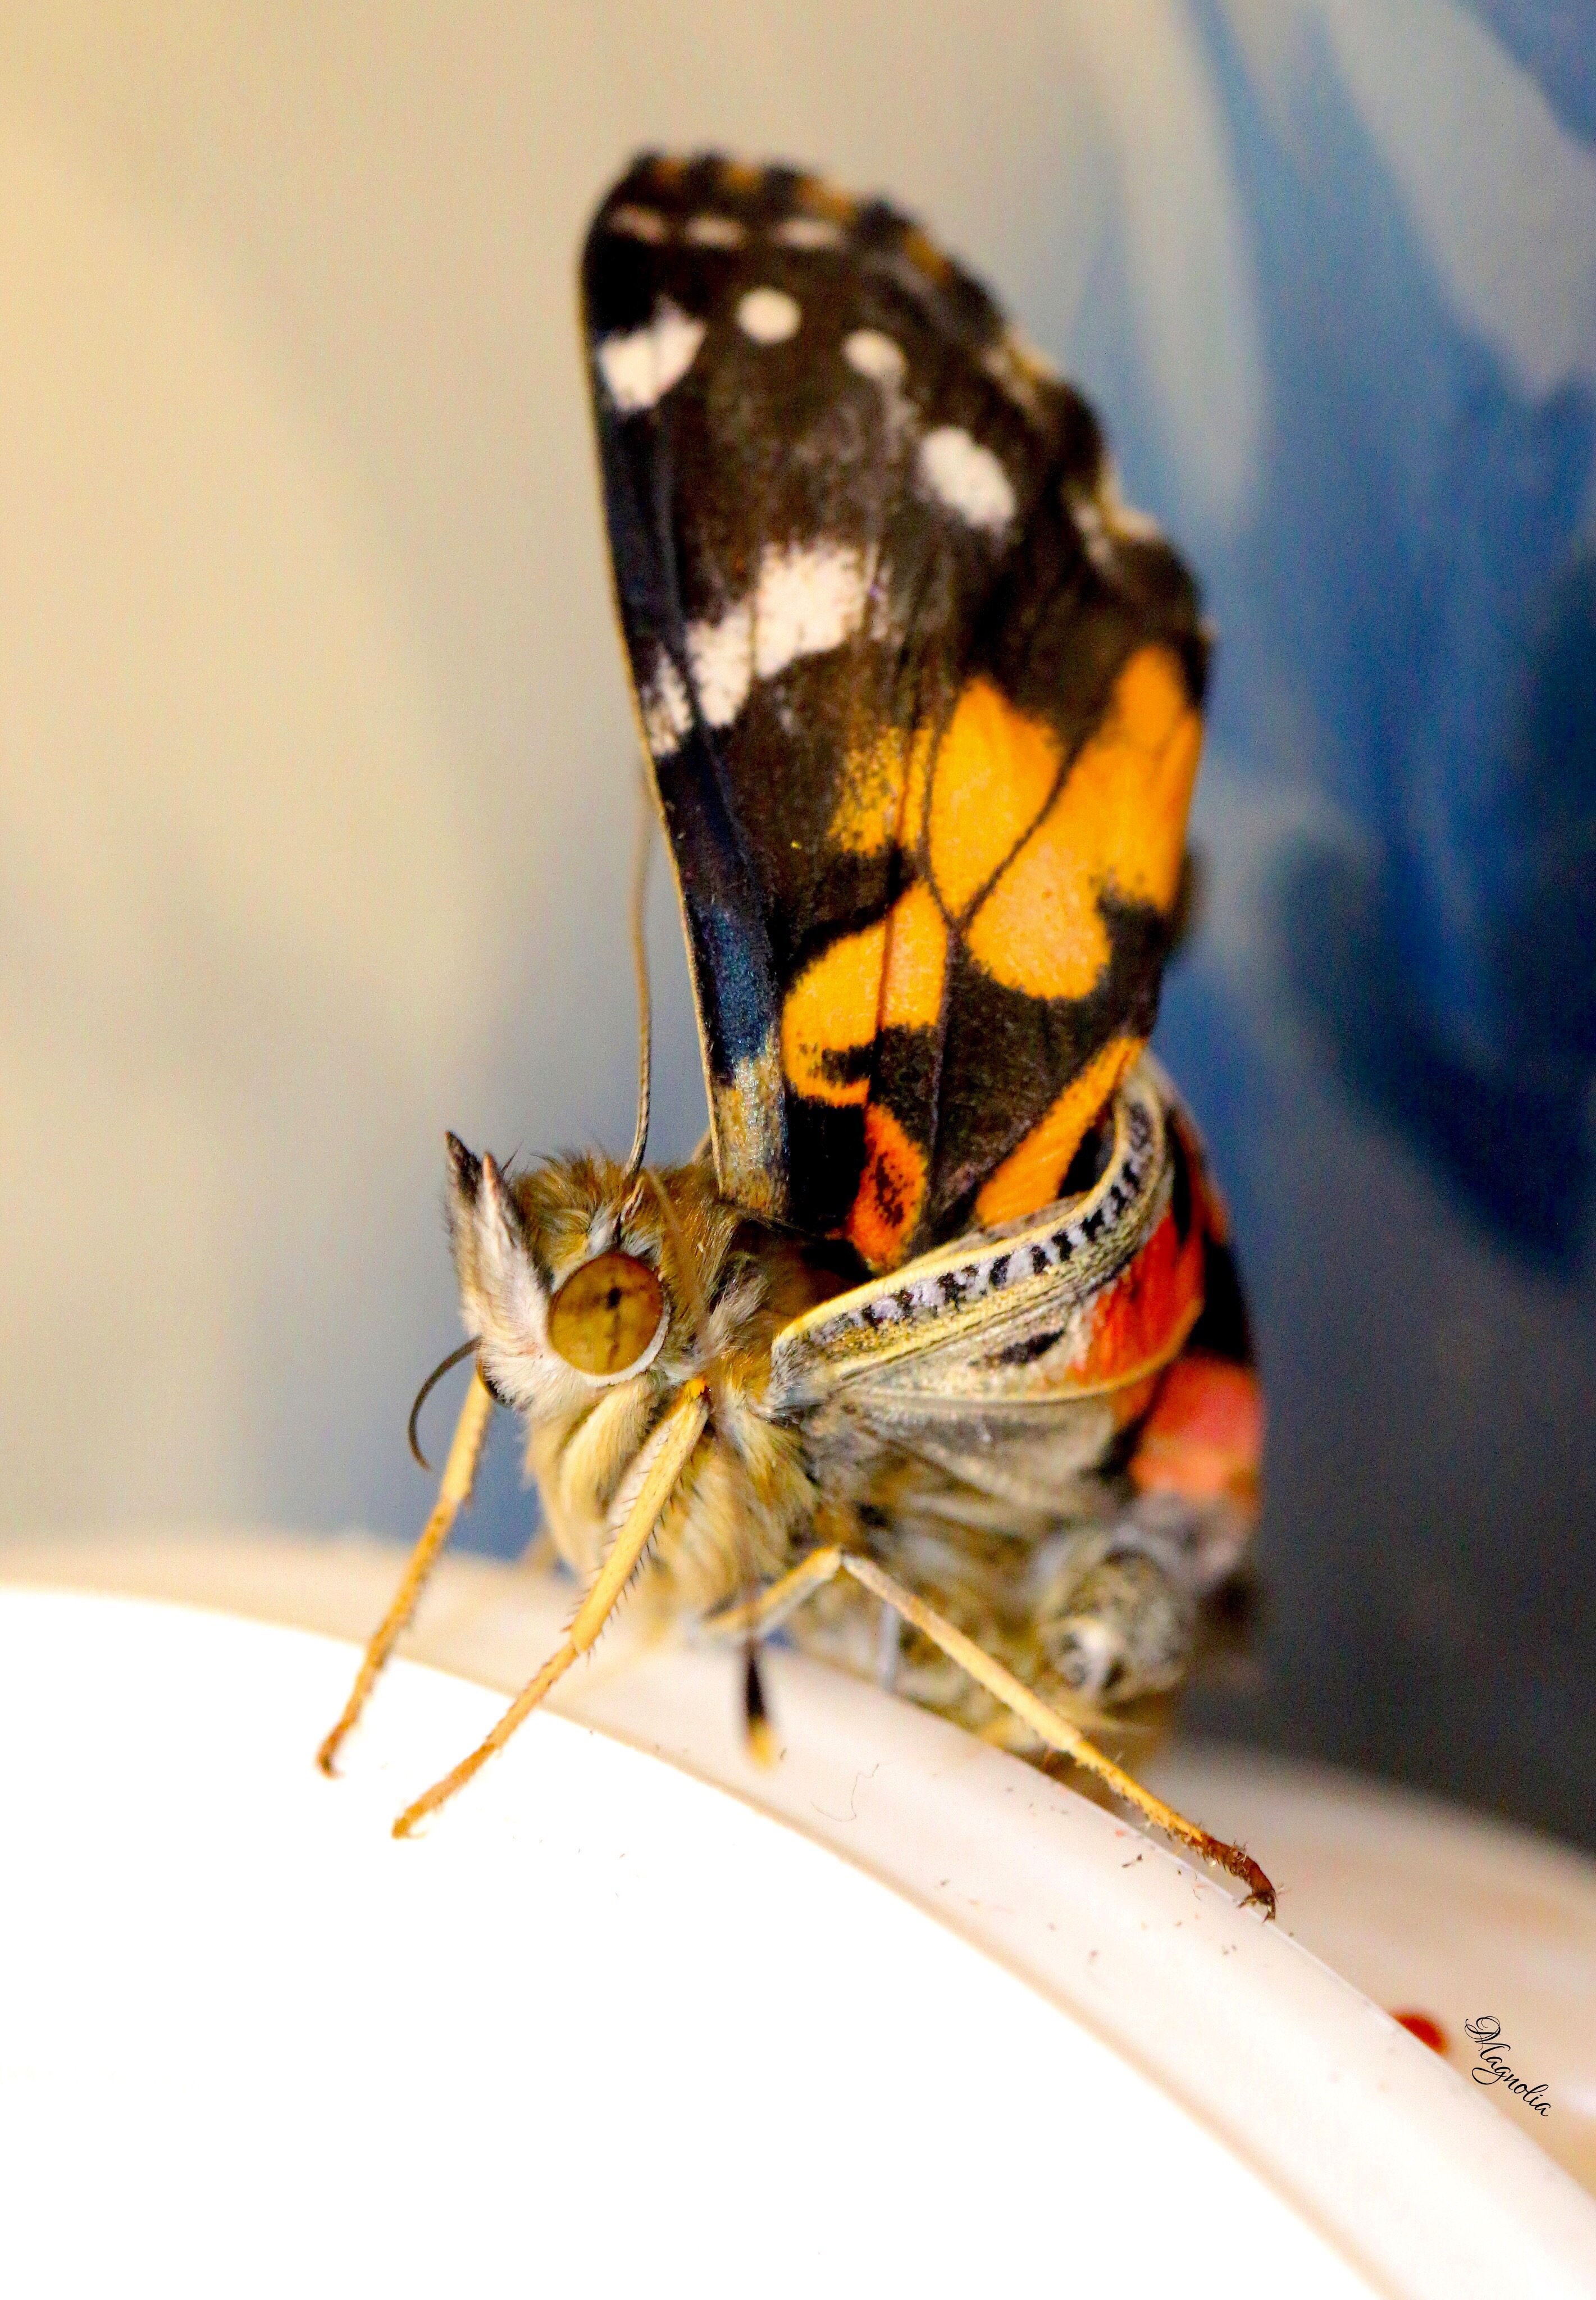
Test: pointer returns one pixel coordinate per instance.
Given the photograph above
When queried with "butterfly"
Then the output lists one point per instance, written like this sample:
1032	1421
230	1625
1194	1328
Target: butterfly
935	1357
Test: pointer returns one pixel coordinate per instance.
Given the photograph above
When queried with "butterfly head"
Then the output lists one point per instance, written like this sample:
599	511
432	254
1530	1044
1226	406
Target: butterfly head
571	1275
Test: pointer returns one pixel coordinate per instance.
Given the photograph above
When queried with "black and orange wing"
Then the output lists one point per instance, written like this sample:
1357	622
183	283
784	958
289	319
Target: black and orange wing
923	705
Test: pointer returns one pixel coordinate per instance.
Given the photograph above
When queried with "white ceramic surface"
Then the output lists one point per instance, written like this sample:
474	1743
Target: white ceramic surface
1429	1910
1324	2108
604	2030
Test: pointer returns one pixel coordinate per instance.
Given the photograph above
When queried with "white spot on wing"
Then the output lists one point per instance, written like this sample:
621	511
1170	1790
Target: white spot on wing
667	713
768	316
639	223
638	369
810	597
721	655
811	233
714	232
966	476
871	354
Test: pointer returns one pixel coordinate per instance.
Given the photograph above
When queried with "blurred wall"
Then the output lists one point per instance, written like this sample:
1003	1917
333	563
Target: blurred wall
316	766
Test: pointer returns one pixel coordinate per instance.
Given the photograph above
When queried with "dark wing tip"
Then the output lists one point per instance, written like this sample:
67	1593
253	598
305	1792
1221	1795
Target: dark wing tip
660	194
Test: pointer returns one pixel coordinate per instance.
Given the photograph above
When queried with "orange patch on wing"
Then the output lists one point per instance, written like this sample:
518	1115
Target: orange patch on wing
1140	766
891	1191
889	974
1118	825
1205	1437
822	198
995	770
879	782
926	255
1030	1174
917	962
1027	358
1041	929
831	1013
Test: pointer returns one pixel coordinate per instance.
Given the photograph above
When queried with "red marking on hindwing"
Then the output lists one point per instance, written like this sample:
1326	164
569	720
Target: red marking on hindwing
1205	1437
1141	1317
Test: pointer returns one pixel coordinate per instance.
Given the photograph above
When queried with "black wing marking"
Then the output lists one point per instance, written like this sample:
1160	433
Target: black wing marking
839	490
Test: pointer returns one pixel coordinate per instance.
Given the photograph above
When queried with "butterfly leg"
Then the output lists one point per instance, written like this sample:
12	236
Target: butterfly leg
776	1604
755	1618
678	1434
454	1491
761	1614
1054	1731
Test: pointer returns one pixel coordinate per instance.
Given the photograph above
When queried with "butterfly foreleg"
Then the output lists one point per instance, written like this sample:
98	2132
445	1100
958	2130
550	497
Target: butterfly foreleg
454	1492
773	1606
1056	1731
677	1436
759	1616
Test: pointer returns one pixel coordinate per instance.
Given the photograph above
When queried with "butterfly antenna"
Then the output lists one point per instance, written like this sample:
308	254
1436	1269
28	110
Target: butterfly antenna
465	1350
639	959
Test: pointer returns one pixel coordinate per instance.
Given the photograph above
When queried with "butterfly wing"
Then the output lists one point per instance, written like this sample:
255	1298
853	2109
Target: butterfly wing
922	705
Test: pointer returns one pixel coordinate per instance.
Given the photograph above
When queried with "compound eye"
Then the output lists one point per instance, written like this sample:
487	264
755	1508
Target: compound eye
607	1315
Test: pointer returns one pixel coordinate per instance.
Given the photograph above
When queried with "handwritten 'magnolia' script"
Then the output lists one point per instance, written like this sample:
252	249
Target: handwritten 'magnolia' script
1487	2033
